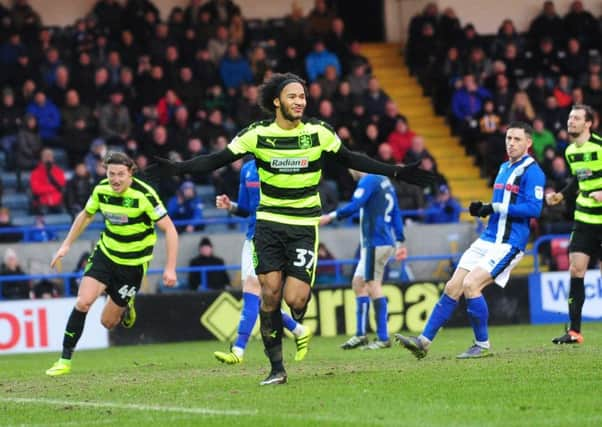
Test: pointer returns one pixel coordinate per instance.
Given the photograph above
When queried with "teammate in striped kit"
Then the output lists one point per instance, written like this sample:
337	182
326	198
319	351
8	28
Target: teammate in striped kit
517	197
381	232
584	156
248	200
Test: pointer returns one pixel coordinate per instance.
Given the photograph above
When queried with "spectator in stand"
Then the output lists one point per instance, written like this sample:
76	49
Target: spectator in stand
343	102
553	116
388	121
28	147
290	62
188	89
370	140
545	59
171	65
247	109
478	64
426	50
186	206
409	197
108	14
10	121
592	93
329	82
47	185
521	108
6	222
10	50
39	232
517	67
538	92
467	104
451	71
559	174
23	70
83	74
580	24
449	30
400	139
359	80
237	31
180	130
594	66
167	107
375	99
542	138
430	192
77	125
234	69
489	124
313	102
57	91
215	280
574	62
47	116
221	11
218	45
94	157
562	92
14	289
470	39
319	20
259	64
385	153
555	219
78	190
114	121
417	151
546	24
51	62
319	59
444	208
429	15
506	35
338	41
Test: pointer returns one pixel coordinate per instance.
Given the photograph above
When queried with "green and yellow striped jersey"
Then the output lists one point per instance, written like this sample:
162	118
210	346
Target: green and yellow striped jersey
585	162
129	236
289	163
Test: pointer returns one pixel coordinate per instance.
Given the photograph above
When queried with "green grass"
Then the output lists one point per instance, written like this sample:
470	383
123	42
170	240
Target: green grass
528	382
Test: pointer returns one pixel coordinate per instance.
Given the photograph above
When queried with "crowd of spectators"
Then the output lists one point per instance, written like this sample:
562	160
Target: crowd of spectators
481	83
124	78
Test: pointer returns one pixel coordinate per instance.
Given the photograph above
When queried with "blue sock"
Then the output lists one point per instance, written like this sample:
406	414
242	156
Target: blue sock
441	314
380	309
288	322
248	317
362	308
478	313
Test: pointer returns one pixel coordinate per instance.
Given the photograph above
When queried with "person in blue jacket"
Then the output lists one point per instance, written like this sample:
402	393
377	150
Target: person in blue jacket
381	232
517	197
248	200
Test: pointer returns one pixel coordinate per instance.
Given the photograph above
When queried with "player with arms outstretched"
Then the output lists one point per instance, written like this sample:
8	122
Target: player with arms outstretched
288	150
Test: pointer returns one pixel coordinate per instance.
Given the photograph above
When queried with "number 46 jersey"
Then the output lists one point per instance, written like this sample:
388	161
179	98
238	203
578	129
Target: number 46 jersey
380	219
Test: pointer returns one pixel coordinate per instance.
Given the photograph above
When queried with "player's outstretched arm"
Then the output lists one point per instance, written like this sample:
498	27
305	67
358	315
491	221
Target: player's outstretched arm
199	164
82	220
171	246
412	174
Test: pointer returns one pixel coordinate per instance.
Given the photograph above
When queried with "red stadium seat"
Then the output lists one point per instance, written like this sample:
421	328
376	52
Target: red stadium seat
559	249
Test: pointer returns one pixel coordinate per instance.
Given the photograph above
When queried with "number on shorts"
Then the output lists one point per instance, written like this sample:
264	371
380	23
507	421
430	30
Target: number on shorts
390	205
127	291
302	260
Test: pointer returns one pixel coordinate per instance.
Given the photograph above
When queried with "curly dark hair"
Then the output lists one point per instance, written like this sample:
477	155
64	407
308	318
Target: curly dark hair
271	89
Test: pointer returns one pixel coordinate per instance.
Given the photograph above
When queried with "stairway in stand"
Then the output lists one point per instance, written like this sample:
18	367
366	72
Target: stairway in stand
463	176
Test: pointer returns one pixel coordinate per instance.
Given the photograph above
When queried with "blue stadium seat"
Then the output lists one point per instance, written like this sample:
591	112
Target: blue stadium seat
207	195
57	219
9	179
16	201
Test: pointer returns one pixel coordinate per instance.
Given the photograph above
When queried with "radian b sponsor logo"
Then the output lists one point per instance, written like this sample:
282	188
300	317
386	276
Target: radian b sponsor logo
289	164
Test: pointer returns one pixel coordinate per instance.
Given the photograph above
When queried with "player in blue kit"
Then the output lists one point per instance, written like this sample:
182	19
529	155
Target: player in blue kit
381	236
517	197
248	200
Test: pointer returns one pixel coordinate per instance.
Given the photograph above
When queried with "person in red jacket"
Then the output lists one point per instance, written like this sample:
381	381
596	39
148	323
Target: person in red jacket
167	106
47	184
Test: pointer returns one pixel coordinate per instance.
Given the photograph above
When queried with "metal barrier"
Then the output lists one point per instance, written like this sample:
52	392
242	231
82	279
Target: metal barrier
338	279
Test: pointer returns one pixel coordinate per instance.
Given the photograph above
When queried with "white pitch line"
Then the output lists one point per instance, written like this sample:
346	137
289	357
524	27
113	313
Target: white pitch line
129	406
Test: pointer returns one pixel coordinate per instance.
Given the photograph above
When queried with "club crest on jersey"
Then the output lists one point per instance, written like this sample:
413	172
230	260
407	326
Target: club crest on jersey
304	141
128	202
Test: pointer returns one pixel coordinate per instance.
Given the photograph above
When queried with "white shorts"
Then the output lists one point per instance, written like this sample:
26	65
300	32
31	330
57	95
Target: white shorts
373	261
498	259
246	261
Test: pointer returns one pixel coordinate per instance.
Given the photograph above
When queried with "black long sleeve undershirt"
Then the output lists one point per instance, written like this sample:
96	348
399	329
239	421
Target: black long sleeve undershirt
207	163
363	163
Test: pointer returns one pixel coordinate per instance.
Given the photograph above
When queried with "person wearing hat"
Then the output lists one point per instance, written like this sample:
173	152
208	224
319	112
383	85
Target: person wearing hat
288	150
443	208
186	206
211	280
